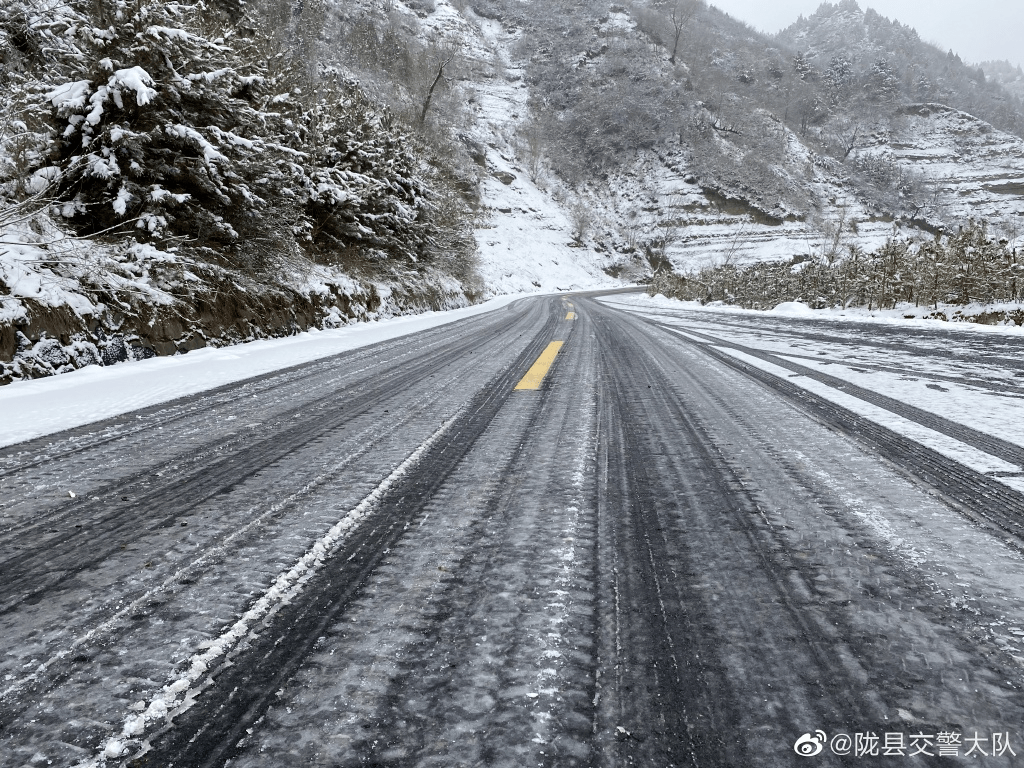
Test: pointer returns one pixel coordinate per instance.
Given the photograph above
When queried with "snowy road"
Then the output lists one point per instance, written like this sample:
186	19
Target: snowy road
696	541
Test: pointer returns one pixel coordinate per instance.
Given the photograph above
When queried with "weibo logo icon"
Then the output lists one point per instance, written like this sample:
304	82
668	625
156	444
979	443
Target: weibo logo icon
810	744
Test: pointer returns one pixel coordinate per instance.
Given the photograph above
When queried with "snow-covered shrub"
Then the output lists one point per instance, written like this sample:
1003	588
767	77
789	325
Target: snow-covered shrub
23	150
170	132
155	131
965	267
421	7
361	185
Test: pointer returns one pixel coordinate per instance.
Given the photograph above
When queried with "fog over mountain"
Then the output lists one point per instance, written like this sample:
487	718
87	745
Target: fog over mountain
988	32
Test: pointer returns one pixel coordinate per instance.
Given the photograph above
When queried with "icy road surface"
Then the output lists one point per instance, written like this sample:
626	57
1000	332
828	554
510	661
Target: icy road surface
694	541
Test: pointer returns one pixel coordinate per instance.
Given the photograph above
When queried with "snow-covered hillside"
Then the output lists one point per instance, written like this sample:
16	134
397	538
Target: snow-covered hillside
708	142
658	196
969	169
462	150
524	235
975	170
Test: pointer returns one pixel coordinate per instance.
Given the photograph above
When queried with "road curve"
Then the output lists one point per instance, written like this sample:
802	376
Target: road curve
643	553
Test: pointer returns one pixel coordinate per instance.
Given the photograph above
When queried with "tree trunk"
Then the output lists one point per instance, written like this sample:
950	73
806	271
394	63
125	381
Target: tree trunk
430	94
675	46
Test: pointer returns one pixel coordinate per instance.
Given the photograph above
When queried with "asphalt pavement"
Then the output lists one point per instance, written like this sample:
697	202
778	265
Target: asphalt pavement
557	534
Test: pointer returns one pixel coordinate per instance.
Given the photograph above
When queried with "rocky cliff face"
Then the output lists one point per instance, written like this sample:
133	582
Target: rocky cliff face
973	169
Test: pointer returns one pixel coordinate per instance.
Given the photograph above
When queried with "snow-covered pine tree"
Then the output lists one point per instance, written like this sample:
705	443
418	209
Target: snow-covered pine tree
156	130
32	38
366	189
174	127
362	187
883	81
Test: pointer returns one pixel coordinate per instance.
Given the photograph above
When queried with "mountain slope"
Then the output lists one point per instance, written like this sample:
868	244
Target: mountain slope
701	139
889	59
306	165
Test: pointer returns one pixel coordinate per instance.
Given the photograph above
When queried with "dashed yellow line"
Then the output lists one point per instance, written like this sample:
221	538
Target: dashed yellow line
570	316
535	376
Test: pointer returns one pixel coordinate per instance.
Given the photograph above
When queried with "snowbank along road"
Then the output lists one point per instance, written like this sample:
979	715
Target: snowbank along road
566	532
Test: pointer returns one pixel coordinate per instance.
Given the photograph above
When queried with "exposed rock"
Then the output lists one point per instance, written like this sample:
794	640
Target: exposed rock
218	310
504	177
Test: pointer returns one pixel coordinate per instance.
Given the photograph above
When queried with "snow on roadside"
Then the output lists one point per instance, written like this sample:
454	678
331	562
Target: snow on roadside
953	449
942	374
942	377
994	413
40	407
908	317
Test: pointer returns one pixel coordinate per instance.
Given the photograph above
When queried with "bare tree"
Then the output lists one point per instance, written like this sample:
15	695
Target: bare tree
580	219
668	231
832	230
723	127
680	14
532	137
443	55
729	258
309	41
630	234
847	136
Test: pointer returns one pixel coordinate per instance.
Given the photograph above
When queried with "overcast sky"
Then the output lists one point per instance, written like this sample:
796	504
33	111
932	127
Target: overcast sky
979	30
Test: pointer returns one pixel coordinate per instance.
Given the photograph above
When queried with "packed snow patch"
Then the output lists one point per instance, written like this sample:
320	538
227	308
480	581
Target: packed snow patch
793	307
947	446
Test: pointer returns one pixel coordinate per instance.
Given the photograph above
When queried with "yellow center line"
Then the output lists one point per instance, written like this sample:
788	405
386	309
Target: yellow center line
535	376
570	316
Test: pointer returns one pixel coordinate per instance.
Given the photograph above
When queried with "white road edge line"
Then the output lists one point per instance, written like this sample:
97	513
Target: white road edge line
949	447
685	335
178	695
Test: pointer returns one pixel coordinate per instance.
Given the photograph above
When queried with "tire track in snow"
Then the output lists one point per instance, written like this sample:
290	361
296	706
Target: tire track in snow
11	701
707	617
986	443
42	563
97	624
69	459
180	694
219	702
981	498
